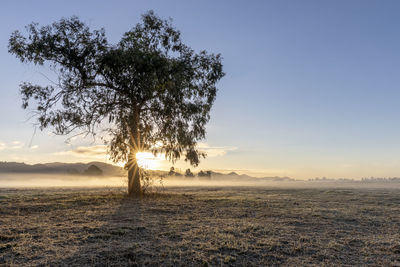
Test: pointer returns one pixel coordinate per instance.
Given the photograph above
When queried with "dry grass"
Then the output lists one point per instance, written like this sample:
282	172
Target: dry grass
200	226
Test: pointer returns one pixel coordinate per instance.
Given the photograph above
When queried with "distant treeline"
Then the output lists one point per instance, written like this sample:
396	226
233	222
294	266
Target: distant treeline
208	174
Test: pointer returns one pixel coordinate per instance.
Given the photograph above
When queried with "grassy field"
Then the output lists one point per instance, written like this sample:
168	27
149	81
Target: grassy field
200	226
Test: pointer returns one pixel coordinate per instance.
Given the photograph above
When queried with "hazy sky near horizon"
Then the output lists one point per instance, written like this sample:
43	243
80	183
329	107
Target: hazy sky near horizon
312	88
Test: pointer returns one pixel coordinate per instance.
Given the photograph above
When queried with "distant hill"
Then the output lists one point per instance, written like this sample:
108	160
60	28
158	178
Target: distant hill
244	177
106	169
61	168
93	170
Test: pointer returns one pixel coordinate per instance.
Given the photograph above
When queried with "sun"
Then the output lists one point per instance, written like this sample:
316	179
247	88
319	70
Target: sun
147	160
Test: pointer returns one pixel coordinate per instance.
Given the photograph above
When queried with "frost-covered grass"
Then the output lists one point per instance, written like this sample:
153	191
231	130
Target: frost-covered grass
200	226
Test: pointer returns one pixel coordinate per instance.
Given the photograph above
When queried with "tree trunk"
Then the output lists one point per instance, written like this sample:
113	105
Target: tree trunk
134	186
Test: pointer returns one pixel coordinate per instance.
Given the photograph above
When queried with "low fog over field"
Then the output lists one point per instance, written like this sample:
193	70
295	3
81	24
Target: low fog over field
36	180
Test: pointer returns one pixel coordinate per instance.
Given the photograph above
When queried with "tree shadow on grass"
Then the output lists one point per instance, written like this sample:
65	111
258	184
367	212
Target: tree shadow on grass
171	229
135	233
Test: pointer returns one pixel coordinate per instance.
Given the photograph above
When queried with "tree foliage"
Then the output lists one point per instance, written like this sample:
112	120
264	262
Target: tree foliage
150	91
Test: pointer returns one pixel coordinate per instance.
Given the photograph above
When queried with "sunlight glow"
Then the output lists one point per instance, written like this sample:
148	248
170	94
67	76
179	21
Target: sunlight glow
147	160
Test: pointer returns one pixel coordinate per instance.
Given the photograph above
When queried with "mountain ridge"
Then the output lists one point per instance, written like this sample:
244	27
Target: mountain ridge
79	168
59	168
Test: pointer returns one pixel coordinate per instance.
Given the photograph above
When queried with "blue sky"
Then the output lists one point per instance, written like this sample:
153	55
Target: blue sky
312	87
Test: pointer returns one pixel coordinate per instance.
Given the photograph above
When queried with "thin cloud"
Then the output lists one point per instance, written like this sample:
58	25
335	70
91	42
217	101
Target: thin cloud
215	151
86	151
15	145
99	150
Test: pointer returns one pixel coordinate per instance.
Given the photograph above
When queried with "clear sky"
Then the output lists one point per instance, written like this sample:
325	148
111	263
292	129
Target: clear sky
312	87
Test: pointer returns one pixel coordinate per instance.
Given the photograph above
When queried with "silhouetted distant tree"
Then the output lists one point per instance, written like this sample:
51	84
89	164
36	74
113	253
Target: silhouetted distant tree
188	173
171	171
204	174
150	91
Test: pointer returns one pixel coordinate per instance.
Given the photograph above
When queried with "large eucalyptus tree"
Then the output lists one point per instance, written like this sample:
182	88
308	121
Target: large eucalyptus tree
149	92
